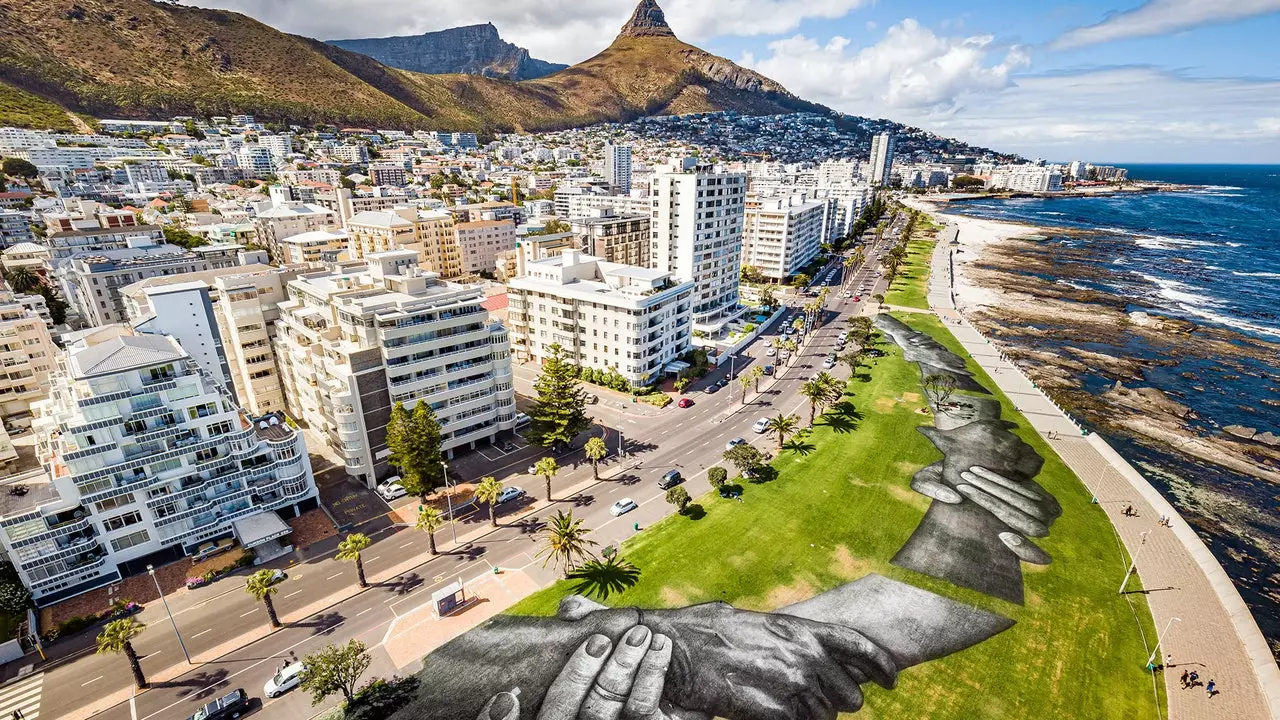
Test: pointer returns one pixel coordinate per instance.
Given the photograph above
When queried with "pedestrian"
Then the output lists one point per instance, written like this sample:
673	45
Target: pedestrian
1186	679
1211	688
1195	678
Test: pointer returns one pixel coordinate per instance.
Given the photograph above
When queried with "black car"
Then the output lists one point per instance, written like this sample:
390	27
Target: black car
712	389
229	706
722	382
670	480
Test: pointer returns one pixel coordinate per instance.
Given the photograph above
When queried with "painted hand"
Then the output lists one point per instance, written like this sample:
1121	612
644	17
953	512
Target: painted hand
1023	506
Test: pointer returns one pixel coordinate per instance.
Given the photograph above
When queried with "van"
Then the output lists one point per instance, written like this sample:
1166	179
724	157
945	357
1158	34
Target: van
670	480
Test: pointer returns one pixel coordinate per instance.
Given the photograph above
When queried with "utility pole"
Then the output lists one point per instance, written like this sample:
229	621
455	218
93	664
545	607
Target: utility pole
152	572
1133	565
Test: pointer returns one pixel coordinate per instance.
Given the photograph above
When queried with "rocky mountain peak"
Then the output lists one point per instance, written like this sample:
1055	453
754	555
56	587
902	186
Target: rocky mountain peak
647	21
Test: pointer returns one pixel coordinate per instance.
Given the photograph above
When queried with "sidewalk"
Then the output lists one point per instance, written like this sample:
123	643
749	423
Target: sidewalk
1213	631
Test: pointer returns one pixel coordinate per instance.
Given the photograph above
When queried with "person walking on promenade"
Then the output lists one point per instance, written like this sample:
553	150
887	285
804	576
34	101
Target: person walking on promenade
1195	678
1186	679
1211	688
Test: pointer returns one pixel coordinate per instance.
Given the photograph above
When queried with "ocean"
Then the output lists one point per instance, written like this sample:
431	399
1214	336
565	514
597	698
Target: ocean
1210	256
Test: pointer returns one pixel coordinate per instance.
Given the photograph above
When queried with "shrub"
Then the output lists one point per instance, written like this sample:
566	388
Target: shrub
658	400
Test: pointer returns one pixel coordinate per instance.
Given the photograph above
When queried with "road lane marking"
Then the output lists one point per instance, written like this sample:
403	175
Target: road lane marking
295	592
406	545
363	612
333	576
202	632
250	612
91	681
375	557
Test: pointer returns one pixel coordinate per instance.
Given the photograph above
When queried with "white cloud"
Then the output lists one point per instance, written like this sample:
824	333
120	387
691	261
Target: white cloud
1161	17
566	31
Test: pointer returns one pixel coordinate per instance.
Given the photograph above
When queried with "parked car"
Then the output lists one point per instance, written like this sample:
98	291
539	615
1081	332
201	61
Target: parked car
761	425
734	443
857	298
522	420
848	294
593	399
684	403
722	382
391	489
622	507
670	479
768	369
508	494
282	682
771	352
712	389
209	549
232	705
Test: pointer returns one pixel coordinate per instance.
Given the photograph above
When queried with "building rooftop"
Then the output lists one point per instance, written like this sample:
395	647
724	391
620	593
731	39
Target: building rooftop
315	236
121	353
379	218
125	257
39	491
154	230
205	277
25	248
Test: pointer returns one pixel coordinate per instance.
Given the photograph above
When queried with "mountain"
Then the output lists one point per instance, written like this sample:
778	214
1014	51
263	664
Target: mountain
473	50
141	59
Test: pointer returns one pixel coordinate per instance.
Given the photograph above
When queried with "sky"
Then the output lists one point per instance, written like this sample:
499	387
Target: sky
1106	81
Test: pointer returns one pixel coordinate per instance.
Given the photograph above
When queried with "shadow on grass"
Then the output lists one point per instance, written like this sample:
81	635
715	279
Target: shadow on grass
799	445
695	511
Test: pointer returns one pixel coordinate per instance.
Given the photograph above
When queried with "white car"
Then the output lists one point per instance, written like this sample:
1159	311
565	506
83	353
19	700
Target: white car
508	494
848	294
622	507
761	425
278	576
828	363
770	352
391	489
282	682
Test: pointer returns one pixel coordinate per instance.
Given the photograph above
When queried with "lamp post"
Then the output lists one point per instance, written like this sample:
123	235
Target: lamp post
448	497
1159	642
152	572
1133	565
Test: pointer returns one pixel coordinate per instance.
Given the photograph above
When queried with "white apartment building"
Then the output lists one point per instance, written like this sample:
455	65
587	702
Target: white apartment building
605	315
354	340
848	201
15	228
481	241
291	218
882	159
148	459
583	205
315	175
1025	178
225	319
782	234
696	234
255	161
317	246
280	146
617	167
27	356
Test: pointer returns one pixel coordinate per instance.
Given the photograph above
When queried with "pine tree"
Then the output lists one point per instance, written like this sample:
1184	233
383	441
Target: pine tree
413	439
561	409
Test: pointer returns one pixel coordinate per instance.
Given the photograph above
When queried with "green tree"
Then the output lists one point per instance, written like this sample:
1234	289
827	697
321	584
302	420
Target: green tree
488	490
681	384
117	638
22	280
57	308
18	167
717	477
261	585
413	439
746	458
768	298
756	373
815	393
560	411
350	549
183	238
15	598
801	280
430	519
553	227
679	497
940	387
595	450
547	467
601	578
565	542
336	668
781	426
745	380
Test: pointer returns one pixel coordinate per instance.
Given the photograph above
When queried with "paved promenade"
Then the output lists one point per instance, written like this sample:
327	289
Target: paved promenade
1210	629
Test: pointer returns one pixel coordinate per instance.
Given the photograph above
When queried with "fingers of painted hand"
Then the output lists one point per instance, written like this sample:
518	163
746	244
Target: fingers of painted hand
645	700
576	607
1008	514
1044	501
569	690
613	685
936	490
503	706
1011	496
1026	550
863	658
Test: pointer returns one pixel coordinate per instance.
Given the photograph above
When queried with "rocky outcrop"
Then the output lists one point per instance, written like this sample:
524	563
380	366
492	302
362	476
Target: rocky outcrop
472	50
648	20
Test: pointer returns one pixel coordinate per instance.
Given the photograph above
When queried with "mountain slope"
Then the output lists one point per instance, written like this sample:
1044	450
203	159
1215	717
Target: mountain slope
471	50
134	58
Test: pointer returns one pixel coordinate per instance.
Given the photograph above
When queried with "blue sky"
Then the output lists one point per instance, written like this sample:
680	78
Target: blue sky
1099	80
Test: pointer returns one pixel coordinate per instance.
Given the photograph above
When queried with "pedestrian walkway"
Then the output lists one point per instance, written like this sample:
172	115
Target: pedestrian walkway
22	695
1205	624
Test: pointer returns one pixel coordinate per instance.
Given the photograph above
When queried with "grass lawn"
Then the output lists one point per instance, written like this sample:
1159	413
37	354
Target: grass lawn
911	286
842	506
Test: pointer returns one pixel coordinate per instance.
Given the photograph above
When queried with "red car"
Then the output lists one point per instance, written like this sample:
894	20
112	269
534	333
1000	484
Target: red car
857	298
684	403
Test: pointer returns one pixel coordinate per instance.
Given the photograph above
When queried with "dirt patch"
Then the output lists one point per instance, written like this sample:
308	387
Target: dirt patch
885	404
911	397
741	560
782	595
844	564
909	496
673	598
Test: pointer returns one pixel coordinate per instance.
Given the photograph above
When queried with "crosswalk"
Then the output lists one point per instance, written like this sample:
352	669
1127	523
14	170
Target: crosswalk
22	695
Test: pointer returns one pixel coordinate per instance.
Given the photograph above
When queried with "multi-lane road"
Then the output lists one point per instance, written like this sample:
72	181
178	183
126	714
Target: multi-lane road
689	440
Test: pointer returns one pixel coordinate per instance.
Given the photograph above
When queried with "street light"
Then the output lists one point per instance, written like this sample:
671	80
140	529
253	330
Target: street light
448	496
1133	565
152	572
1160	639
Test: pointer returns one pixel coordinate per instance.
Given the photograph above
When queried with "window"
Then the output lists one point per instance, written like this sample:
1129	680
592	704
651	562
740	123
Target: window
113	503
122	521
219	428
132	539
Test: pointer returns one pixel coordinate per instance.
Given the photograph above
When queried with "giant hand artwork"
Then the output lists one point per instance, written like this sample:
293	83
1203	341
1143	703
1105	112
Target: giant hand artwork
808	660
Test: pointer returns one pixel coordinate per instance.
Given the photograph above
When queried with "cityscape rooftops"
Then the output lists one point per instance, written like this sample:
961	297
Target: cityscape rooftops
121	353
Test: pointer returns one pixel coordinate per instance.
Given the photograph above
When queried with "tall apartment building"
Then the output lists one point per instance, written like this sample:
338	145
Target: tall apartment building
1025	178
512	263
617	238
352	341
783	234
291	218
696	234
27	356
15	228
388	174
617	167
849	201
317	246
432	233
480	242
280	146
149	458
605	315
65	243
225	319
91	282
491	210
882	159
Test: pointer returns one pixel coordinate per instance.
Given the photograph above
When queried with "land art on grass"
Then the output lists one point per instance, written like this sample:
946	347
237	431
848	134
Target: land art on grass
838	510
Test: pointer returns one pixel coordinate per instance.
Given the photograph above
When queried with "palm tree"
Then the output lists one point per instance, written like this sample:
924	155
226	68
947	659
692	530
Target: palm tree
117	638
261	585
782	426
756	373
564	541
488	491
350	549
791	347
595	450
547	467
815	393
22	280
430	519
745	380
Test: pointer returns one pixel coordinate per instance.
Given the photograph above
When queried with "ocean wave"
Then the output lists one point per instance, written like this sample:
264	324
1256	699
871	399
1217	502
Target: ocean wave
1233	244
1255	274
1049	212
1194	301
1222	187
